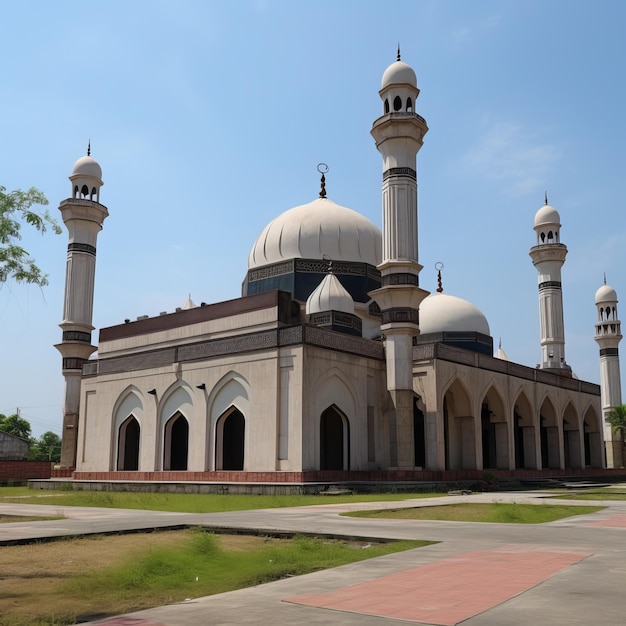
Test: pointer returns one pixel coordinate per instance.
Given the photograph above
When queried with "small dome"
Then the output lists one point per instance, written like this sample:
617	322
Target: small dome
398	73
547	215
87	166
606	294
318	230
330	295
189	304
441	312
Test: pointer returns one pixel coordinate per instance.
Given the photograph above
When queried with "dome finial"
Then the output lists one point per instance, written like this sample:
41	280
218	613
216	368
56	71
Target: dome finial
439	267
322	168
545	196
89	148
398	56
605	278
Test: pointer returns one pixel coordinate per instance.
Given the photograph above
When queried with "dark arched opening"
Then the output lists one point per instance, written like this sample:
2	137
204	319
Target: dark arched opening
488	430
419	435
233	431
409	105
84	191
332	442
397	103
128	445
386	105
177	443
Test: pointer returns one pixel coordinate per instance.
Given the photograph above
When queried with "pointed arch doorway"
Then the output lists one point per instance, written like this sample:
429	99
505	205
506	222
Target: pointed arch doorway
128	445
176	443
334	440
230	441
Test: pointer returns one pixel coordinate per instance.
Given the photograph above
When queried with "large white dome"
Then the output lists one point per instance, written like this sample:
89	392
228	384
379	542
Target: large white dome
318	230
441	312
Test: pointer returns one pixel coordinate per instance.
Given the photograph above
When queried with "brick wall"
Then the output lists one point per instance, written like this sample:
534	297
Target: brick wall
22	470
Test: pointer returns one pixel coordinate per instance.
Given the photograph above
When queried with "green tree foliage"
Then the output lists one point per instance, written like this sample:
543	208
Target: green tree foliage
617	419
46	448
15	425
15	209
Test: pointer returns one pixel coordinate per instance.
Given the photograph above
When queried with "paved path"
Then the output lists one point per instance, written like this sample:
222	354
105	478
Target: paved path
567	572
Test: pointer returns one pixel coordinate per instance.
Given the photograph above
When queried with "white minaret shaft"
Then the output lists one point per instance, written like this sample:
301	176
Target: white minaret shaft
608	336
548	257
399	134
83	216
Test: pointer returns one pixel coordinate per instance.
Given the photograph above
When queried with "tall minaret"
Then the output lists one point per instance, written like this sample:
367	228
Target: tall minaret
399	133
608	336
83	216
548	257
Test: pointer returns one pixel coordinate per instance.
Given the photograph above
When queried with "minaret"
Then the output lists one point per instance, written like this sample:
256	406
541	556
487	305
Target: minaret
83	216
399	133
608	336
548	257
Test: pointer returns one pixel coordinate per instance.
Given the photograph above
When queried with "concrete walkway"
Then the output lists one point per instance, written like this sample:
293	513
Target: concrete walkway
566	572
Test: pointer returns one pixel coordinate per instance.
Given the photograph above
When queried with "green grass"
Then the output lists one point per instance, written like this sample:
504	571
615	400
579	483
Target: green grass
593	495
497	512
200	567
194	563
187	503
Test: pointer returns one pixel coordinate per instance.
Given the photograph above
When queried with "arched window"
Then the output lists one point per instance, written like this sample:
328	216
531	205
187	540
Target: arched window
94	193
176	443
409	105
334	440
397	103
84	192
128	445
231	431
75	191
386	105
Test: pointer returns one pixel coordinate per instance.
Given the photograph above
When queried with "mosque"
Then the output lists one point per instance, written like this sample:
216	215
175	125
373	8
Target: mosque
334	364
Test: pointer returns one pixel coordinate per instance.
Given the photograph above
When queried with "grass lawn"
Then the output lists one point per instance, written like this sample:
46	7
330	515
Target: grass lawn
186	503
593	495
66	581
497	512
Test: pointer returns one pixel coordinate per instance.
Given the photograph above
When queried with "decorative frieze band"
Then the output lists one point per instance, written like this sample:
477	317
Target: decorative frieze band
394	172
400	278
550	284
401	314
81	247
317	266
73	363
609	352
76	335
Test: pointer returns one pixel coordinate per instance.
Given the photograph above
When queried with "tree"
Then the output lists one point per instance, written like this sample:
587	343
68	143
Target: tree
617	419
46	448
15	208
15	425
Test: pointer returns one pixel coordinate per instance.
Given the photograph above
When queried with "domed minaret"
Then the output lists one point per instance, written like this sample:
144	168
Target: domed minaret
83	216
608	336
548	257
399	134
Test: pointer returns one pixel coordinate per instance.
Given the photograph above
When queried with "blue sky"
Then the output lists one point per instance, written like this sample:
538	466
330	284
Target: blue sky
209	118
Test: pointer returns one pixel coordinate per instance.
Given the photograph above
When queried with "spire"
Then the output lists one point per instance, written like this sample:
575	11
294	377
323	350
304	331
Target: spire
546	197
89	148
439	267
398	56
605	278
322	168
